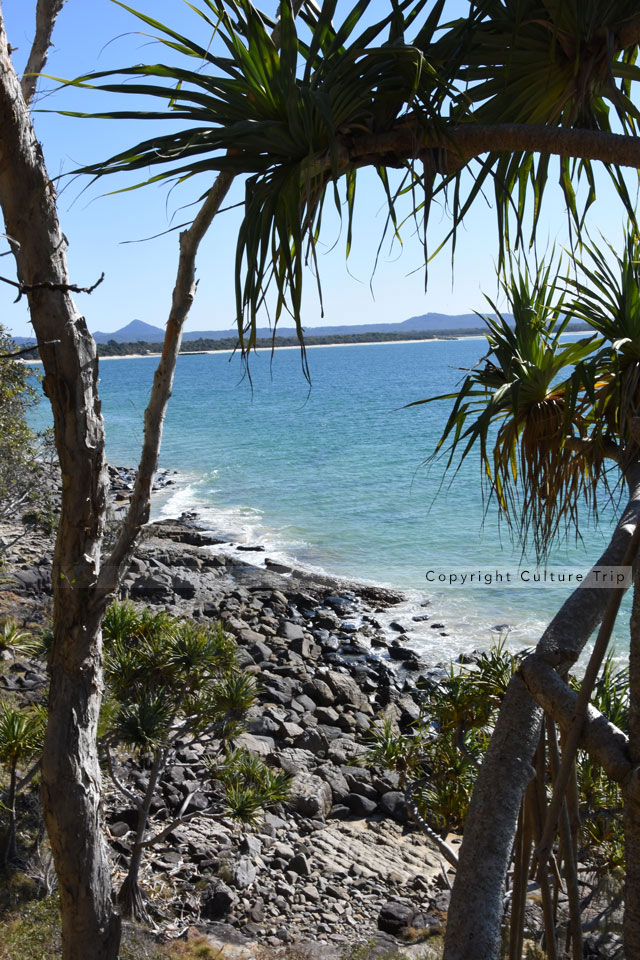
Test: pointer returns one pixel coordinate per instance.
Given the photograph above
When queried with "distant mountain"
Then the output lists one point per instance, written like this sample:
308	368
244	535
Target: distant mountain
138	331
134	332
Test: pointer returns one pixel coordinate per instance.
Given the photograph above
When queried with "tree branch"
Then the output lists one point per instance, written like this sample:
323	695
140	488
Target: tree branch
586	446
19	353
118	783
207	814
23	287
454	146
600	738
46	15
183	295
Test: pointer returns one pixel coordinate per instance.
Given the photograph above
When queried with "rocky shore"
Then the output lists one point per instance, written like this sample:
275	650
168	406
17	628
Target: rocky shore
341	862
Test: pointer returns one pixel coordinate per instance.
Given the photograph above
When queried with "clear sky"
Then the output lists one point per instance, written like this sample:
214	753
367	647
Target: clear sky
98	34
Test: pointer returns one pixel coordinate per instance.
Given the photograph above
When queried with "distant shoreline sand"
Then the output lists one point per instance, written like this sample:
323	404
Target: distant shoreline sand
311	346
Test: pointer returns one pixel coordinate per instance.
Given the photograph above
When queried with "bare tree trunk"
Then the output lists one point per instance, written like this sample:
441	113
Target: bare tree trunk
130	896
70	771
476	910
631	801
10	851
82	584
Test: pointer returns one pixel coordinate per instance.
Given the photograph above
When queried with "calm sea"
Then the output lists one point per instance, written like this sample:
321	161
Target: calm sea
333	475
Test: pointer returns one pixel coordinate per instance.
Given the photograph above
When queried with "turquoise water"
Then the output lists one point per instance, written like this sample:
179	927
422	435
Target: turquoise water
334	477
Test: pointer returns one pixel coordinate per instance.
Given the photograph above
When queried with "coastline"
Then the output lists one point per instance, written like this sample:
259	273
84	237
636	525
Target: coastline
311	346
335	862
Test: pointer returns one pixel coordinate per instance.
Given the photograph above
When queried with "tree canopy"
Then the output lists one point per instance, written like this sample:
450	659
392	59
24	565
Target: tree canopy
494	94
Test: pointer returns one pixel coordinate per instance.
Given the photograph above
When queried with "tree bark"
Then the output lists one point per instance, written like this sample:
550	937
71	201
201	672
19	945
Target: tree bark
10	851
70	771
631	798
476	910
46	15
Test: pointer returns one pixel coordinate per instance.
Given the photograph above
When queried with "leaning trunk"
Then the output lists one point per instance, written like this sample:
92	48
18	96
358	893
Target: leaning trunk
70	771
10	852
130	897
476	910
631	803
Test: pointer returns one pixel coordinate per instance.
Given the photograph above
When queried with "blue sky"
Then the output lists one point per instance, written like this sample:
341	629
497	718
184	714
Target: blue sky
98	34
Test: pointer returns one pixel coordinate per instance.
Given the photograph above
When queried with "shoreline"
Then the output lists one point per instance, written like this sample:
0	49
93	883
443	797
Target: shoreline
325	867
311	346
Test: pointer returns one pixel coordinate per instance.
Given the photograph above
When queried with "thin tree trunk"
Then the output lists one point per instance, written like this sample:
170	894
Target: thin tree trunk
476	910
10	852
46	15
130	896
631	802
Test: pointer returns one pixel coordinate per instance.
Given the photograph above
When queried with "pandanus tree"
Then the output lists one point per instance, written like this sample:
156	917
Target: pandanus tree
555	426
499	90
21	734
172	684
497	93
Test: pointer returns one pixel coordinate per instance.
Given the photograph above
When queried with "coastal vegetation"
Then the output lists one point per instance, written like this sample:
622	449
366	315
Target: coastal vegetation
498	91
203	345
23	453
173	685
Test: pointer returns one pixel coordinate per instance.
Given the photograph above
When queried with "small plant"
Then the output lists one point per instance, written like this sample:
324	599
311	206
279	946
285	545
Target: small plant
16	639
21	736
171	683
393	750
249	785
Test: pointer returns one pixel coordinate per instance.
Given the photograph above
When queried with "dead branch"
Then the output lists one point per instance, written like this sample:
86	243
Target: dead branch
23	287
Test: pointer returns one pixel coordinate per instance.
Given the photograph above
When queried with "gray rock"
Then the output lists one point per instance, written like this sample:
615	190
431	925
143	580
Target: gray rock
290	730
313	740
306	648
293	759
393	805
327	715
320	692
309	795
259	650
291	631
263	726
303	704
243	873
344	750
300	865
251	845
346	690
217	901
361	806
263	746
395	917
339	786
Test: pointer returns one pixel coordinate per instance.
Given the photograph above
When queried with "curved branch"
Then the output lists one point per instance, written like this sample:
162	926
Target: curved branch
600	738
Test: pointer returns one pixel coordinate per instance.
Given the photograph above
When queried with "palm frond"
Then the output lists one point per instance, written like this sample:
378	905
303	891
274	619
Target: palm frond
546	62
522	412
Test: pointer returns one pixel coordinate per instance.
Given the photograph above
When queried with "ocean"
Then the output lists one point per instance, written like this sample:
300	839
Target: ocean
333	475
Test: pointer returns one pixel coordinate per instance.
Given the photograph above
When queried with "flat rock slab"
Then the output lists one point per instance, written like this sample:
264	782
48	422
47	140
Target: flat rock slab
380	851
